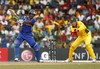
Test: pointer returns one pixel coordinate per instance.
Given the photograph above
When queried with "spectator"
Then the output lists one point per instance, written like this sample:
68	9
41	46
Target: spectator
4	31
46	10
81	17
97	5
3	1
63	39
12	2
50	10
4	41
16	27
96	36
48	16
20	11
4	22
73	2
72	11
96	24
61	2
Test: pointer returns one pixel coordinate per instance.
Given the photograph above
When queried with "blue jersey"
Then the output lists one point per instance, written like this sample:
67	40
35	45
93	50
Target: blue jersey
26	34
26	28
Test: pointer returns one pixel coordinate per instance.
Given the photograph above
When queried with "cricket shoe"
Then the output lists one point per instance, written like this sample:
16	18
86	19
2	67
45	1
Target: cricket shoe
41	61
16	60
68	60
93	60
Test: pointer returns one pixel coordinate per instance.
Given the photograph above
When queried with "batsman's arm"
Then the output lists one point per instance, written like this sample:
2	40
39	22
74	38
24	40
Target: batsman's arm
27	22
13	13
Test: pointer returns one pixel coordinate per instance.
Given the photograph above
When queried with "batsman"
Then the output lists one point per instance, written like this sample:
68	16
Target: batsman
83	35
26	35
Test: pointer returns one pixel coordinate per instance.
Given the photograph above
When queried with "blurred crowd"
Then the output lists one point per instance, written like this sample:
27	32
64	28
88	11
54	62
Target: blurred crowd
53	20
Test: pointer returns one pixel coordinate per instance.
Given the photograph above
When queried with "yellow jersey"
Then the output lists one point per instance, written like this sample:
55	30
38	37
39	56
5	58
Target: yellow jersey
81	29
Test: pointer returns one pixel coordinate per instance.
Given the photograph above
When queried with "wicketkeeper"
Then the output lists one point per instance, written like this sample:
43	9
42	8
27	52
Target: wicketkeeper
84	35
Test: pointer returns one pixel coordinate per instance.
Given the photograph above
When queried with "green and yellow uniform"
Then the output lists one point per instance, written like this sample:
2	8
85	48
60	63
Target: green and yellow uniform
84	35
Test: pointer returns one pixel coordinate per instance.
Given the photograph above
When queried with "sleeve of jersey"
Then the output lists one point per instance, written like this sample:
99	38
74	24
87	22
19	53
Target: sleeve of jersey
80	27
33	21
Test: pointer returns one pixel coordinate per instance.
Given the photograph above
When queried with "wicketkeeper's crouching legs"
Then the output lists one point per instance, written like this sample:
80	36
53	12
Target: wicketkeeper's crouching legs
71	51
90	51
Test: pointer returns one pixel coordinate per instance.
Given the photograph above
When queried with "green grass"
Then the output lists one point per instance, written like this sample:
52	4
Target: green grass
34	65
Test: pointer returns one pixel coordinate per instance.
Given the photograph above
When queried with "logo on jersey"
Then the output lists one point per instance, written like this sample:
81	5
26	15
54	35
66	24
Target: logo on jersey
27	55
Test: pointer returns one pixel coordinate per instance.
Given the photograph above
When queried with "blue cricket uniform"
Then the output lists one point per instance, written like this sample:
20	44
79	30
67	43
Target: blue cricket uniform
26	34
